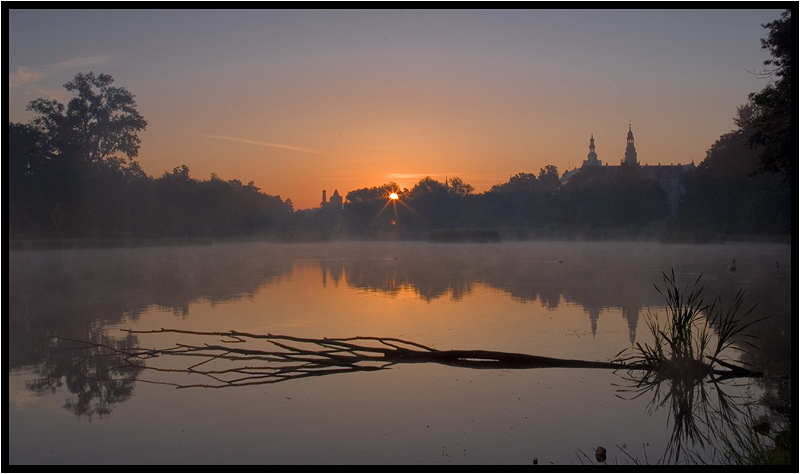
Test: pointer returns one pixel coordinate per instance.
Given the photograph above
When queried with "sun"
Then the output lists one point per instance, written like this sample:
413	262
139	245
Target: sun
394	200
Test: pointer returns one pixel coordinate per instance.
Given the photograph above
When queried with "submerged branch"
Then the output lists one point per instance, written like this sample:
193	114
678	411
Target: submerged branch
237	358
340	351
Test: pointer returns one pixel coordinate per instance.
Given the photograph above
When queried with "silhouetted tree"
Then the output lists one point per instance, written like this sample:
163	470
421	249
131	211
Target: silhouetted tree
548	178
525	201
96	124
374	193
772	126
601	198
584	200
519	182
742	187
72	182
27	180
368	212
427	185
439	205
458	187
635	201
187	207
724	197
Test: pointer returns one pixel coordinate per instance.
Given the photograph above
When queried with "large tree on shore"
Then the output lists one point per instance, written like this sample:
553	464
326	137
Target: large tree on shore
724	196
773	132
69	164
95	125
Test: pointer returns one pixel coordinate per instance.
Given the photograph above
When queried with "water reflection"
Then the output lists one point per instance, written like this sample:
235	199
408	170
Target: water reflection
78	294
69	293
98	379
701	411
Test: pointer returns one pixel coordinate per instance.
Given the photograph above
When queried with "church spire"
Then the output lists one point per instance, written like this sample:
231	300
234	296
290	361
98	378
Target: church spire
591	158
630	150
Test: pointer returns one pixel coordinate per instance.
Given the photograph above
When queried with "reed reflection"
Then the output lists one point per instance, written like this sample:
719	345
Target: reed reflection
700	412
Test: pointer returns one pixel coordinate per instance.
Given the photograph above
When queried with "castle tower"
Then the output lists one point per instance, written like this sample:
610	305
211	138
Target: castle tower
324	199
630	150
591	158
336	199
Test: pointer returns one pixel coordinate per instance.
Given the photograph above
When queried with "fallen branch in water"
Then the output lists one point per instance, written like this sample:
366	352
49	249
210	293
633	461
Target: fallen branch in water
274	358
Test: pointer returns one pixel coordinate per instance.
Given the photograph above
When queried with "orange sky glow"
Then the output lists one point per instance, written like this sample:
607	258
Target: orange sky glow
301	101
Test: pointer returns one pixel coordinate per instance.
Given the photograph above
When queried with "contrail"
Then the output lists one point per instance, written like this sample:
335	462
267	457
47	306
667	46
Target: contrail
255	142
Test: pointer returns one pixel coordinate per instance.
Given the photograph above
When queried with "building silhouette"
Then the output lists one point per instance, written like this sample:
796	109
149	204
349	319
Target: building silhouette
591	159
668	177
630	150
335	201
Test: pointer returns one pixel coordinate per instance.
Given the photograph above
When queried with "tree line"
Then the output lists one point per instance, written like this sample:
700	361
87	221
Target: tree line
73	174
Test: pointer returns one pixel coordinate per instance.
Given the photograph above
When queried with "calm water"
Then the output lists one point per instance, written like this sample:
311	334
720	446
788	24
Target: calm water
566	300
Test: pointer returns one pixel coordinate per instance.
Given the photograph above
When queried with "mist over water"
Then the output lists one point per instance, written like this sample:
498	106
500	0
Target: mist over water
571	300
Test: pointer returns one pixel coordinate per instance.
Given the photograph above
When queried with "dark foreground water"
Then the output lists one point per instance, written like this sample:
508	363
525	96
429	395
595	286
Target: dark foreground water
566	300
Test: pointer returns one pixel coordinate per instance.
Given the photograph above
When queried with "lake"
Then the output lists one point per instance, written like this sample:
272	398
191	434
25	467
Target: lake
577	300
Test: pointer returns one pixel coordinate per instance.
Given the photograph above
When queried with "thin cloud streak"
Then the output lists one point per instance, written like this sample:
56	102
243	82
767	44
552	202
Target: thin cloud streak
255	142
26	75
23	76
85	61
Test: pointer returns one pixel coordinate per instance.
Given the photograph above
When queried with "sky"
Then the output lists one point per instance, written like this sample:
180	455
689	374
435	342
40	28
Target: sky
304	100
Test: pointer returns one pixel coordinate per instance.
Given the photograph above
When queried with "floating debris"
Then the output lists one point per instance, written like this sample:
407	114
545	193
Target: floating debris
600	454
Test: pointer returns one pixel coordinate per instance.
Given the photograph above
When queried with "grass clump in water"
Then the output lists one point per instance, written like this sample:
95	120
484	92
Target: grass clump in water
685	365
689	344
